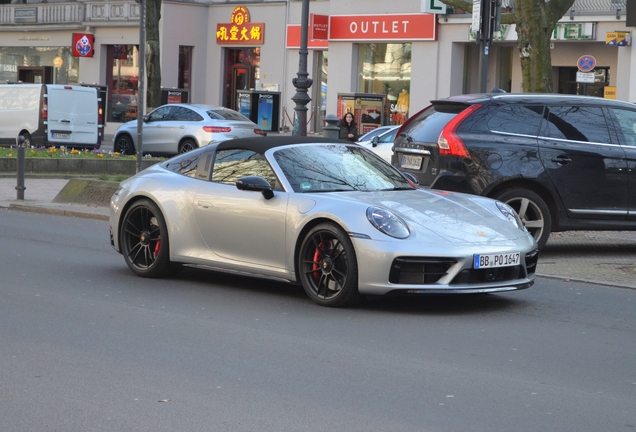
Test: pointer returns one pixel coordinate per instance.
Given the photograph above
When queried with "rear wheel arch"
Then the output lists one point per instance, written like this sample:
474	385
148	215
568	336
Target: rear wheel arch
540	207
540	190
187	142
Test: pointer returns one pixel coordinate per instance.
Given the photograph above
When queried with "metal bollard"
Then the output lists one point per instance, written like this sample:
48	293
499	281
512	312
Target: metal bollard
20	187
332	130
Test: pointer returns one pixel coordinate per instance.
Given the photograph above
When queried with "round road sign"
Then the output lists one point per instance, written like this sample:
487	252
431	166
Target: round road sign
586	63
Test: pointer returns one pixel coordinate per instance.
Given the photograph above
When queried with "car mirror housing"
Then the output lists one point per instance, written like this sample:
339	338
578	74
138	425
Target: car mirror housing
374	141
256	184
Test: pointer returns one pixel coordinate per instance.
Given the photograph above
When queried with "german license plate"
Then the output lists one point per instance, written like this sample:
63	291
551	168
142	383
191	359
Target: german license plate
61	135
411	162
496	260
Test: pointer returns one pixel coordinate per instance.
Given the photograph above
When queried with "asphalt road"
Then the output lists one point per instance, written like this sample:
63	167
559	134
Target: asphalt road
86	346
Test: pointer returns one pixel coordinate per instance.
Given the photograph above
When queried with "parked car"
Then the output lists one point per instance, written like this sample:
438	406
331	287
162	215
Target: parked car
179	128
329	215
382	144
373	132
562	162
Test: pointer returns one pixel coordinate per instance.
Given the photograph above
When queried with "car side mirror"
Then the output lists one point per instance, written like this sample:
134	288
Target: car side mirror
256	184
374	141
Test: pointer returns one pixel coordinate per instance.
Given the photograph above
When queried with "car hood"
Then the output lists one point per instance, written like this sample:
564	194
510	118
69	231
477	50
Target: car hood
458	218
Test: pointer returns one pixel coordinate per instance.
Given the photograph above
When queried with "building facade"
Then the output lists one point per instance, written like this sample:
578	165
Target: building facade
382	64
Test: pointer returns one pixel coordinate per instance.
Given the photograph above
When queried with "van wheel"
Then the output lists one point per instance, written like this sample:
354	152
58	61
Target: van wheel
187	145
532	210
124	145
27	139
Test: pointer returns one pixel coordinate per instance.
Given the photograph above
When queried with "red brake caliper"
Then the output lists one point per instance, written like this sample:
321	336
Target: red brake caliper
315	267
157	246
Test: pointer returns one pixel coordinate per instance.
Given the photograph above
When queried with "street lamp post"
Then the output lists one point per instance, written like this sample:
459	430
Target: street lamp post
302	82
141	81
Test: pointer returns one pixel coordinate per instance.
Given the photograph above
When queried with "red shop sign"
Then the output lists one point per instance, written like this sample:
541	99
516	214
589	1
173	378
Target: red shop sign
397	27
240	30
83	44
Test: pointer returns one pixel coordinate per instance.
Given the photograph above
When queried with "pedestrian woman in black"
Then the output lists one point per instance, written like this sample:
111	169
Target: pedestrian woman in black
348	128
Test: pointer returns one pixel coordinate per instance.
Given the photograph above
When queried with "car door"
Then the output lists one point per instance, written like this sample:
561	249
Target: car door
584	160
242	226
625	122
155	128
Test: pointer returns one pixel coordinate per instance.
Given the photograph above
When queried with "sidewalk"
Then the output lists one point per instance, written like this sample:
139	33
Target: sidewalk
600	257
39	195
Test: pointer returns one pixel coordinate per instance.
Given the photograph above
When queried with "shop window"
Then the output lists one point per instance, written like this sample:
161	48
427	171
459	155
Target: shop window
122	75
385	69
185	67
57	64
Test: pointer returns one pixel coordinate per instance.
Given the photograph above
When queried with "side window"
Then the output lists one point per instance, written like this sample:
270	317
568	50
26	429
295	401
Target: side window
626	125
160	114
231	165
576	123
185	164
517	119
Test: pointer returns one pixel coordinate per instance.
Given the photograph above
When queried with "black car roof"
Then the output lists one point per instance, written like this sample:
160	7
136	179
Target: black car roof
532	98
262	144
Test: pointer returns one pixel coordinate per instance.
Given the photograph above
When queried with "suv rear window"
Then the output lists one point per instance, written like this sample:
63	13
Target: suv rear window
427	125
517	119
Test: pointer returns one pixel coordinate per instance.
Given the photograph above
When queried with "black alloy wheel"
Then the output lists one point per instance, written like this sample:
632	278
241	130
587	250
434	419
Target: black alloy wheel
187	145
124	145
144	241
327	266
532	210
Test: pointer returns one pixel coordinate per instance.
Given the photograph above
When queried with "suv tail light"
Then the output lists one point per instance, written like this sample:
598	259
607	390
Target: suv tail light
257	131
217	129
448	142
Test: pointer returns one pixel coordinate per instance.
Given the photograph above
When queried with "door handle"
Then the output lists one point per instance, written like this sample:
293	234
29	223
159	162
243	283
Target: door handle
561	160
204	204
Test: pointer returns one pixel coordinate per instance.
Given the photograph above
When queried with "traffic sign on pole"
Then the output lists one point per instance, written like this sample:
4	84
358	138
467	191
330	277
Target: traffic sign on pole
586	63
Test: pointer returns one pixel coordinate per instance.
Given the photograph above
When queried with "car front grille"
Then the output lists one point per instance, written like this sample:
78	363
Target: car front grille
419	271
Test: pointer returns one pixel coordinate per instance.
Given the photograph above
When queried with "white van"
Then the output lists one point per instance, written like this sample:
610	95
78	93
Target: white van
51	115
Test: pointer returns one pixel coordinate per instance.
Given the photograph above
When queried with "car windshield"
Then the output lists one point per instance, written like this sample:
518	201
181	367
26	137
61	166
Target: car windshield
336	168
226	115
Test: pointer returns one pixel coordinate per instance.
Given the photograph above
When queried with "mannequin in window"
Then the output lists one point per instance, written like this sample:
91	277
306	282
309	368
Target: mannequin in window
403	101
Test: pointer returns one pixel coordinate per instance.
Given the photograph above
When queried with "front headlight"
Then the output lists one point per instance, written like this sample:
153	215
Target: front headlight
510	215
387	222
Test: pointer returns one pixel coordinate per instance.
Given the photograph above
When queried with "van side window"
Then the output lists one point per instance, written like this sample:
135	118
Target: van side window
517	119
576	123
627	125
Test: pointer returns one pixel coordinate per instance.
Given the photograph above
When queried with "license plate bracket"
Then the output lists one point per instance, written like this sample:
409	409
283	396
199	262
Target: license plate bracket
411	162
507	259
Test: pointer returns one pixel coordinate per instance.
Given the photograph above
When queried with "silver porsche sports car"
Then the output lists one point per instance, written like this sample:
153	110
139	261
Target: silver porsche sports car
330	215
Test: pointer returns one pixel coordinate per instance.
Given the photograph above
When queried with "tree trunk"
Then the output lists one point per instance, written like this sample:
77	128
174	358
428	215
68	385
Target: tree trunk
153	58
535	21
533	40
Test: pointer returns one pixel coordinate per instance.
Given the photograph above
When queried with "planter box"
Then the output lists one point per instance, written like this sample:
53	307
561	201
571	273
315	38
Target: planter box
108	166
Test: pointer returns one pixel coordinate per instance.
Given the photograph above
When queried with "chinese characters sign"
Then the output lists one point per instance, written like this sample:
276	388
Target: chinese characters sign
240	30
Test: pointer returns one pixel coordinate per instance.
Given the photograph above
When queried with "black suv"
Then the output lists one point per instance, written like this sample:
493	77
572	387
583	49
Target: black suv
562	162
